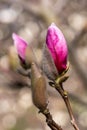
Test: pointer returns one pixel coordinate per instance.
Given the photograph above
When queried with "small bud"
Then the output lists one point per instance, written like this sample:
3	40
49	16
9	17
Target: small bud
56	43
25	53
38	86
20	45
48	64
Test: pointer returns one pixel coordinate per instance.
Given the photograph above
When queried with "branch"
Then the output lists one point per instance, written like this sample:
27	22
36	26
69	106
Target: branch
64	94
50	122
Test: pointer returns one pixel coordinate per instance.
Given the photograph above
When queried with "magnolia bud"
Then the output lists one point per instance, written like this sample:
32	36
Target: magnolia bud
24	52
20	45
38	85
57	46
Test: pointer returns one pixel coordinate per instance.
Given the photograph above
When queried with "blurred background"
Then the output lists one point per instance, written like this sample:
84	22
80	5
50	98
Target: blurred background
30	19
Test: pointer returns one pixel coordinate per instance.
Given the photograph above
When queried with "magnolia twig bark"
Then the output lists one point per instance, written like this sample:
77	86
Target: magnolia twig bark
64	94
50	122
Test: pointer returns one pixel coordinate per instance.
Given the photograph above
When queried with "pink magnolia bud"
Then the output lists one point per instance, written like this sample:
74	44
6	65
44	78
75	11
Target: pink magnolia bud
58	48
20	45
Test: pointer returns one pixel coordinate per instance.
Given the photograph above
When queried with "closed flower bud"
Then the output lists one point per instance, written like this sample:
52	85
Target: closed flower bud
20	45
38	86
56	43
25	53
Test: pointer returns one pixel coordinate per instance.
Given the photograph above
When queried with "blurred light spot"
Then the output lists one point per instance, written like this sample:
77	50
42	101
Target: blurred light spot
4	106
8	15
4	63
9	121
34	27
83	119
25	100
29	31
18	110
26	34
61	118
77	21
69	33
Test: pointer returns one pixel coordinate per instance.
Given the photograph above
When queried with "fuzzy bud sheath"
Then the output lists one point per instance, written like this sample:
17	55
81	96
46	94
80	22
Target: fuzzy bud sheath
38	87
57	46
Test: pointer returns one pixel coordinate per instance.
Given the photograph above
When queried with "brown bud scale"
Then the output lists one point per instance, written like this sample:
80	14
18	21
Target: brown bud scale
38	84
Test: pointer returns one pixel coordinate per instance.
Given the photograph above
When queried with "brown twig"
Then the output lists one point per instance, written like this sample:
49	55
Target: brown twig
65	97
50	122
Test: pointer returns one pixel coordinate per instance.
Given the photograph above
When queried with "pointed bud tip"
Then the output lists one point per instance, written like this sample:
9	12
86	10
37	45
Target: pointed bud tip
53	24
15	36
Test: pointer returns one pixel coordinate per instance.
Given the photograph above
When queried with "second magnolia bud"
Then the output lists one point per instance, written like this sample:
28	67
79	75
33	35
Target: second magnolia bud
24	51
38	84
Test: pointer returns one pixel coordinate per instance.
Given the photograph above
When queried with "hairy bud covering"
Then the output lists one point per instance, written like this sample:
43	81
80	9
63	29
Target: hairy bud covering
38	85
48	64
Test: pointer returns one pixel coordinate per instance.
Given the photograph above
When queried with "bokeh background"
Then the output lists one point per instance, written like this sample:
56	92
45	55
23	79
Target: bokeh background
30	19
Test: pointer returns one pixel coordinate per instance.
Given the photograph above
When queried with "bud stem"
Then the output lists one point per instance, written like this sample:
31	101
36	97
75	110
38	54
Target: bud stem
64	94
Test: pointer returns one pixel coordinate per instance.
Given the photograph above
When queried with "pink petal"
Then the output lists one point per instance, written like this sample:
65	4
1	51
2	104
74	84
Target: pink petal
20	45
